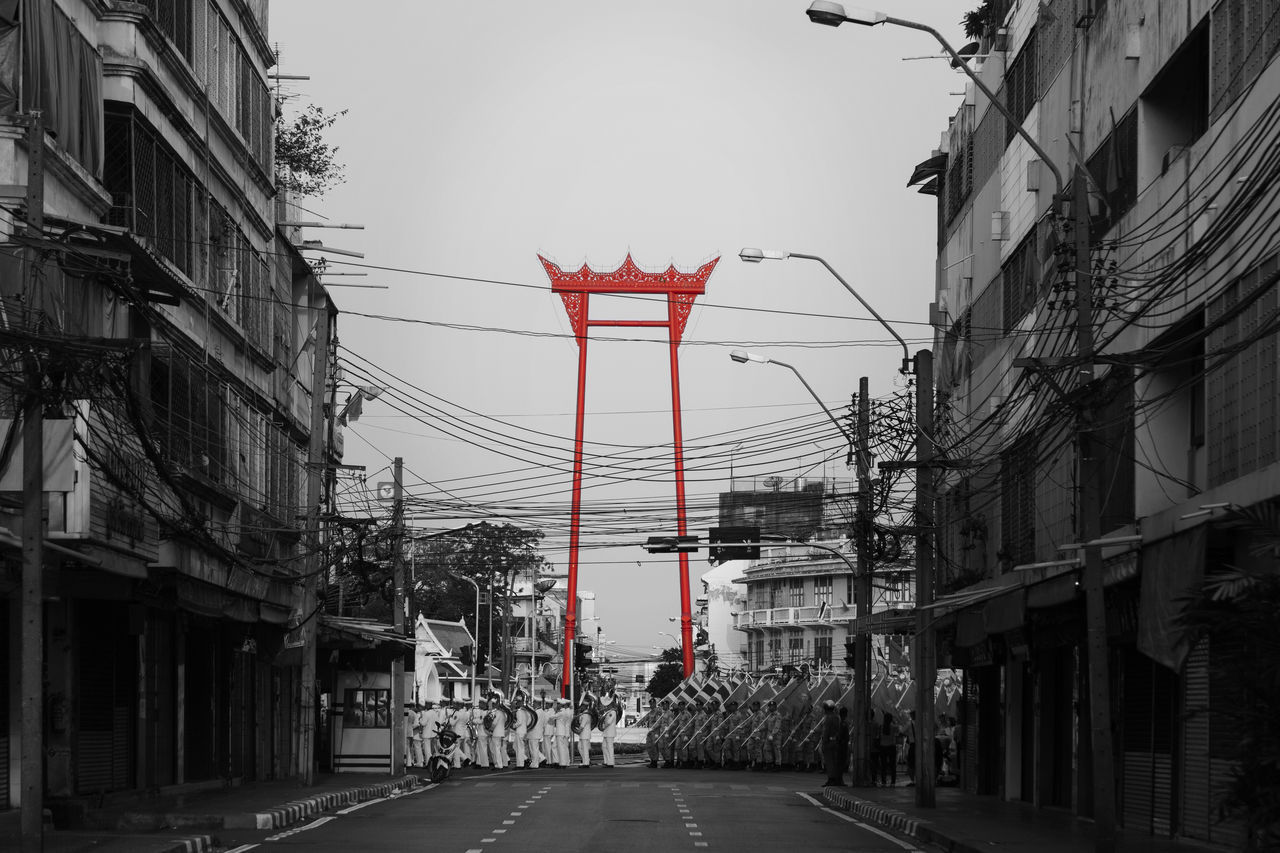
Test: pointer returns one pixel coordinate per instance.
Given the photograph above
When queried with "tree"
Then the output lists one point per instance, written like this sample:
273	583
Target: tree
668	675
1237	608
305	163
975	23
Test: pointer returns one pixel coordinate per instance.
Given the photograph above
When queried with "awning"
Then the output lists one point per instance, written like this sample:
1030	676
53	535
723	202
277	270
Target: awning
363	630
895	621
934	166
1172	571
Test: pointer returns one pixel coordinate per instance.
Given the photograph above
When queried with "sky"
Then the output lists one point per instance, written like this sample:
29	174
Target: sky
479	135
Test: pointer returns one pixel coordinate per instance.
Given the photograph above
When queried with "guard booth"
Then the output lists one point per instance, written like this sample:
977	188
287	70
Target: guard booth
354	660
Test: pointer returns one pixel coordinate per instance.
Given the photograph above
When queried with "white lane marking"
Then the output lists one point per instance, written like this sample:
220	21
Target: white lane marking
699	844
242	848
847	819
497	831
475	850
358	806
690	826
515	814
315	823
508	823
488	840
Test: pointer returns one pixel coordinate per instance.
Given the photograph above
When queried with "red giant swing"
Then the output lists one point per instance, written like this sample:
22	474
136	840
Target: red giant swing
681	289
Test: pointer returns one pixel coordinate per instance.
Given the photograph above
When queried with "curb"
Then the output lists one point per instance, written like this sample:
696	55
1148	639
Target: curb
893	819
279	817
192	844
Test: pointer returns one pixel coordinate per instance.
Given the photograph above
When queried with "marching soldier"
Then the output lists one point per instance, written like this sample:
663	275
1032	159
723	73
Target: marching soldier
546	714
657	717
608	725
458	718
755	736
533	735
771	756
732	754
675	722
478	734
583	722
564	725
520	729
495	723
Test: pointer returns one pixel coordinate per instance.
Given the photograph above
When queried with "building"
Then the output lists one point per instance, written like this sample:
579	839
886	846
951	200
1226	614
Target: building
1167	105
178	330
799	604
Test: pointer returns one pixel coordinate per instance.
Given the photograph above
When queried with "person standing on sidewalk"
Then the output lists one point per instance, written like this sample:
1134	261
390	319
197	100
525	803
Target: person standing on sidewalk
608	726
888	751
909	742
831	737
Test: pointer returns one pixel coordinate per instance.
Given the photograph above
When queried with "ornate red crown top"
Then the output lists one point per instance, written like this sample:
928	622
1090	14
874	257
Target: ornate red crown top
629	278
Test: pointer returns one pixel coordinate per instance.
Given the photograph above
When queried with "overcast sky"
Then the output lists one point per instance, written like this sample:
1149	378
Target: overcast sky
480	134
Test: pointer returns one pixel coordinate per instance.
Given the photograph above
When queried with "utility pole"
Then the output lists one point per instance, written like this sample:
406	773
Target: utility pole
1104	801
31	771
861	771
925	652
397	618
317	471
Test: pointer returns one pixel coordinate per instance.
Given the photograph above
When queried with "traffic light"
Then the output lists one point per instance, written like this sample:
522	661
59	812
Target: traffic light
701	639
850	657
464	655
727	543
482	658
582	655
671	544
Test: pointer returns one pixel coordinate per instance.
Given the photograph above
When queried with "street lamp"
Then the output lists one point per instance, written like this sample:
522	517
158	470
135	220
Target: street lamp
742	357
475	656
834	14
755	256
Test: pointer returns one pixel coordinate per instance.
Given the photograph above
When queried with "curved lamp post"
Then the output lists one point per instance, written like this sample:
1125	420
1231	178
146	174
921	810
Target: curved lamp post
834	14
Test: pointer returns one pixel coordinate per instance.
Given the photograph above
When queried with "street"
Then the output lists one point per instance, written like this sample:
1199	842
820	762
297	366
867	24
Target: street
631	808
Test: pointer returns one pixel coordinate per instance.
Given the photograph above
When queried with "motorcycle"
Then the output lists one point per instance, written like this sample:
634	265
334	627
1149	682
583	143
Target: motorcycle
441	764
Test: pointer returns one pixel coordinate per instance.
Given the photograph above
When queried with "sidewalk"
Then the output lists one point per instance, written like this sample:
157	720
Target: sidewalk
176	824
968	823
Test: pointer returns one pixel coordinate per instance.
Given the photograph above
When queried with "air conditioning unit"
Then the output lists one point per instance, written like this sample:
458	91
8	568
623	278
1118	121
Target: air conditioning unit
1000	225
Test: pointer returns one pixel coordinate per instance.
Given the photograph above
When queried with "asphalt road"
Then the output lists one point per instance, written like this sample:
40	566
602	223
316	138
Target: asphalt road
625	810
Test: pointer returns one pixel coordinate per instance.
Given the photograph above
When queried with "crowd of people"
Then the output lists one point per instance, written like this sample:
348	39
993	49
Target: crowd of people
765	737
525	733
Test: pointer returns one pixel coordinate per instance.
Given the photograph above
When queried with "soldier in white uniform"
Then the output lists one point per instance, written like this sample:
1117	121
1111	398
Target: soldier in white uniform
548	722
459	716
429	716
413	727
496	723
608	726
479	737
583	723
520	729
564	723
533	736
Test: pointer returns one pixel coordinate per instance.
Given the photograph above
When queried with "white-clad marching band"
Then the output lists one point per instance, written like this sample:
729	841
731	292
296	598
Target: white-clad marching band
525	733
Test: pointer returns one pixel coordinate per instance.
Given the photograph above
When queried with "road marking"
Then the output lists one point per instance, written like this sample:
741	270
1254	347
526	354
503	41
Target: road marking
690	826
696	834
847	819
497	831
242	848
358	806
508	823
488	840
314	824
699	844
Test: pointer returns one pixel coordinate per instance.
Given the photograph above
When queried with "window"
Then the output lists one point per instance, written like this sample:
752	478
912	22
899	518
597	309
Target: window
1245	36
1114	168
173	17
797	592
366	709
795	647
1020	280
62	76
1017	501
1175	106
822	589
822	649
236	89
775	593
758	662
1020	86
153	195
1241	388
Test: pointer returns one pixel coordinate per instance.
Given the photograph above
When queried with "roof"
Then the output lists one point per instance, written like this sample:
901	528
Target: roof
362	630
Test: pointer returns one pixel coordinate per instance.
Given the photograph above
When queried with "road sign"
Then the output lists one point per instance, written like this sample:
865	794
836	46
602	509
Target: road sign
387	491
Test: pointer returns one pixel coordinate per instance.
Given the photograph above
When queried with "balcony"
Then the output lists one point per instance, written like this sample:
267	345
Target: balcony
792	617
